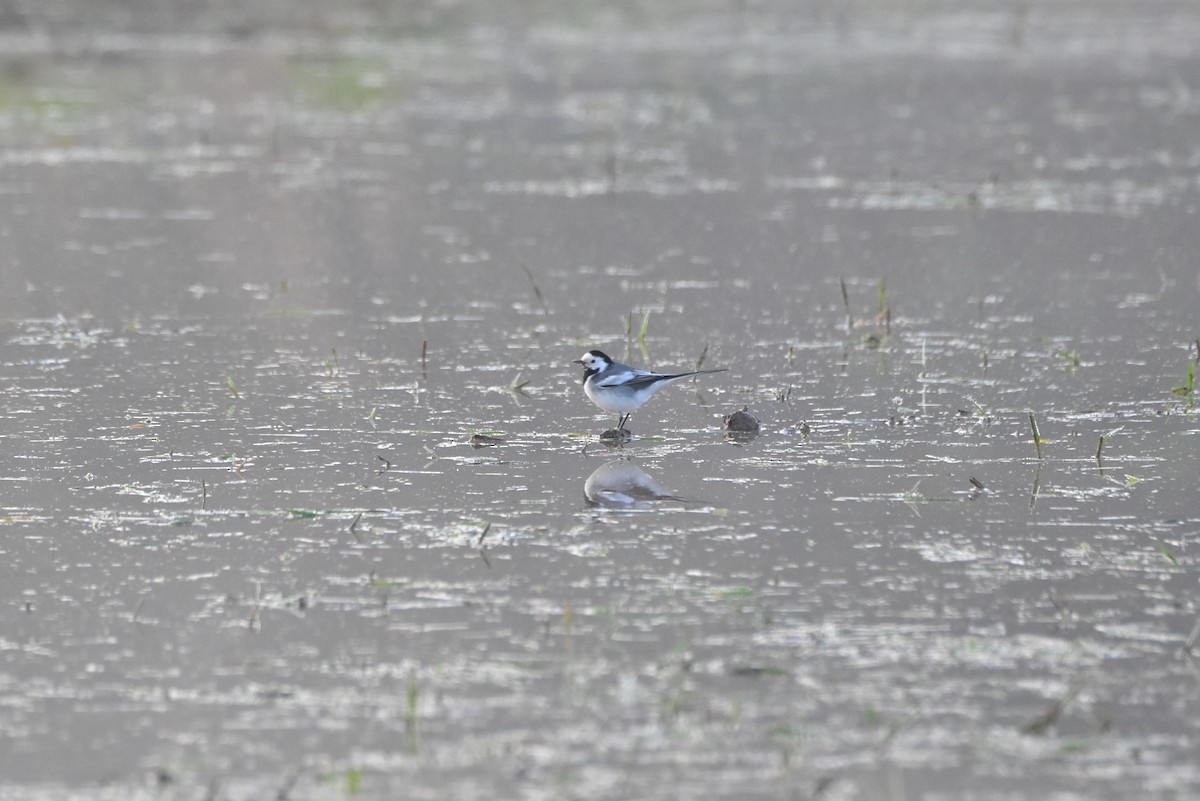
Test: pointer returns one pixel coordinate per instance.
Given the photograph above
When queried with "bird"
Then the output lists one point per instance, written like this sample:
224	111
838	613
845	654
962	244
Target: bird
617	387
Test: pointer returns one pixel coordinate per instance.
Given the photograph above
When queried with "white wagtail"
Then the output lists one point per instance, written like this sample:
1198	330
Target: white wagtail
616	387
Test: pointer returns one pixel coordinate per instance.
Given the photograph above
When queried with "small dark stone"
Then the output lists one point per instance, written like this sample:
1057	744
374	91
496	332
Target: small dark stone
741	422
615	435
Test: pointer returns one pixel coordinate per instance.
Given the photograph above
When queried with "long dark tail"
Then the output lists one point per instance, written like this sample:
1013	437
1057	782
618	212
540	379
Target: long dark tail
699	372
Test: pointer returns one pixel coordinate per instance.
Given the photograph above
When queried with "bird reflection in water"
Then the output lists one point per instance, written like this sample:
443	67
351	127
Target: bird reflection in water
621	484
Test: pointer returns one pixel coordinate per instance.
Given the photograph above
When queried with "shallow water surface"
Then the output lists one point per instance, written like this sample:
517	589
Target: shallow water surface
269	273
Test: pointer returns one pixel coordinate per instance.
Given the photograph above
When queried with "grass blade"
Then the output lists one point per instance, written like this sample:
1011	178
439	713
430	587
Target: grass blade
641	337
700	361
1037	436
536	290
846	303
1189	382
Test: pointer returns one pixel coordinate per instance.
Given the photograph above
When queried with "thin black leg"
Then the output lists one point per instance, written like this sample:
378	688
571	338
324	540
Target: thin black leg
623	421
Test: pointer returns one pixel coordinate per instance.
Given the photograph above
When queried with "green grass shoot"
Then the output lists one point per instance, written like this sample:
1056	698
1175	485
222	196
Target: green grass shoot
231	387
1070	357
382	584
332	365
846	304
410	704
1187	388
883	316
641	337
1165	551
914	494
1037	435
1104	438
353	781
305	514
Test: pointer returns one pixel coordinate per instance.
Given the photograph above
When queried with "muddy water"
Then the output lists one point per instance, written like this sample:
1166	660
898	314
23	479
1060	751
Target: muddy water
250	552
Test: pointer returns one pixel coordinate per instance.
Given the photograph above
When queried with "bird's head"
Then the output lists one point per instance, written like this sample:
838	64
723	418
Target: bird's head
594	362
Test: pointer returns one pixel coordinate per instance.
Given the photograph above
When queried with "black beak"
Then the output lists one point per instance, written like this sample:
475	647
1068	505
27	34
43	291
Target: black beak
577	361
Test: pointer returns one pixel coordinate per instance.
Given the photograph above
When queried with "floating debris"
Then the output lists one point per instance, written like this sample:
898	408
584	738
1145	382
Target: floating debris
485	440
1042	723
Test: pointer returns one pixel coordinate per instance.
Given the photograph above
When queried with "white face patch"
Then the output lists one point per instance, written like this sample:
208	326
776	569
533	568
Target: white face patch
591	362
